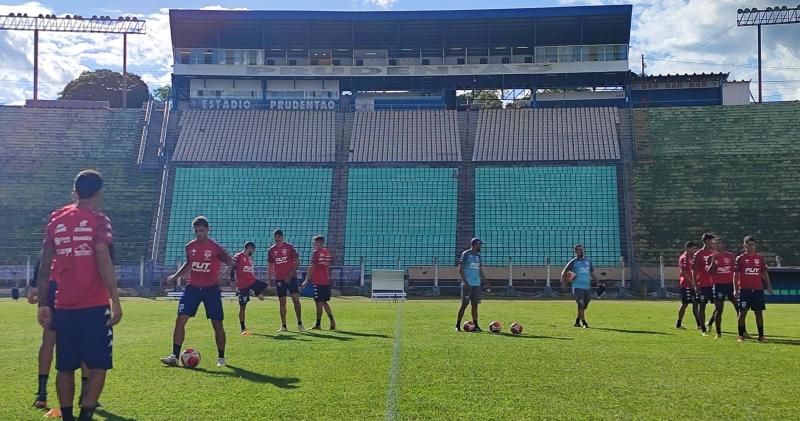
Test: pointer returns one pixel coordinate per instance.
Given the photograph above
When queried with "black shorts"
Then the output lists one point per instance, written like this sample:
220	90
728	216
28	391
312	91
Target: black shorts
471	294
687	296
752	299
582	297
322	293
83	335
293	287
723	292
51	301
211	297
244	293
705	295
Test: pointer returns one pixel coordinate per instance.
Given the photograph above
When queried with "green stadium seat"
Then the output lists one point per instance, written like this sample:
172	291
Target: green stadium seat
408	213
532	213
247	204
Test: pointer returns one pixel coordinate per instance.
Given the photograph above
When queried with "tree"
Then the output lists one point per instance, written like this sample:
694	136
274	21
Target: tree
484	98
162	94
106	85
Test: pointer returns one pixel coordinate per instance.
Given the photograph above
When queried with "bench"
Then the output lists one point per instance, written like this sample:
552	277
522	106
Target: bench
388	285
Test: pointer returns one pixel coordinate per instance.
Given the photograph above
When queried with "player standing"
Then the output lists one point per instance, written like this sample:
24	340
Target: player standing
80	239
243	275
686	283
472	277
702	279
283	261
582	284
721	267
750	276
203	259
319	273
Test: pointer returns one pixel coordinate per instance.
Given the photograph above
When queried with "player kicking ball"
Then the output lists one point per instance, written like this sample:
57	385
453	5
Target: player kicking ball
319	275
283	261
749	279
584	274
473	278
243	276
203	259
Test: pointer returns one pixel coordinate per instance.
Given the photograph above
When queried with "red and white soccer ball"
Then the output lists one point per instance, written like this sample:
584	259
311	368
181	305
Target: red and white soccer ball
516	328
495	326
569	276
190	358
468	326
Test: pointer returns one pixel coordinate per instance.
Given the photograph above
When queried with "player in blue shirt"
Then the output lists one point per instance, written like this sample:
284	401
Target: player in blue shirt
471	270
582	284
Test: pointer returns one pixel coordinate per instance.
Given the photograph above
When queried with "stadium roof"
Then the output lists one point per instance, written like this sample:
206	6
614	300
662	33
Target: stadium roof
406	29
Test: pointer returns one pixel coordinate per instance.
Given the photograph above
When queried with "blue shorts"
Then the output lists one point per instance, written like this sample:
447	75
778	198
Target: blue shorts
83	335
292	287
211	297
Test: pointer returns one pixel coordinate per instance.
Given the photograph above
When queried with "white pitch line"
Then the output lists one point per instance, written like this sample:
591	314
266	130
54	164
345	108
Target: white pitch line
392	392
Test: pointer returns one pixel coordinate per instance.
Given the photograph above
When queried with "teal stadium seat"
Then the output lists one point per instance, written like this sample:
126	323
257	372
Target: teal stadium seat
408	213
247	204
530	213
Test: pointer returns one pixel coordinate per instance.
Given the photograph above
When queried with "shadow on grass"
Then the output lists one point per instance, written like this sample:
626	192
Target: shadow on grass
638	332
363	334
241	373
111	416
285	337
511	335
316	334
773	340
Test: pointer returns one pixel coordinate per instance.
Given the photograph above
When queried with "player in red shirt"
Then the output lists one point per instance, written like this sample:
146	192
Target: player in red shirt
243	276
203	260
283	261
47	348
721	267
319	273
702	279
86	302
749	279
686	283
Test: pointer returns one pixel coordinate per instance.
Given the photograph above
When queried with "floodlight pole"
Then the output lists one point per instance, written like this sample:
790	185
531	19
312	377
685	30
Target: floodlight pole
35	64
125	69
759	65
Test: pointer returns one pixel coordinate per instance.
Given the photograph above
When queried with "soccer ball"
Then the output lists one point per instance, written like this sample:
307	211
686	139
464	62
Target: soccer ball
190	358
495	326
569	276
516	328
468	326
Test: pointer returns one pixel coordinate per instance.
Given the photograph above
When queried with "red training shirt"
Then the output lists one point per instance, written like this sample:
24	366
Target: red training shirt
723	270
321	263
205	258
750	267
74	234
685	265
282	257
245	273
701	275
54	265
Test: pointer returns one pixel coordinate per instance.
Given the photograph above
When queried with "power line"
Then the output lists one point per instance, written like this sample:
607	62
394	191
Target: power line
720	64
704	42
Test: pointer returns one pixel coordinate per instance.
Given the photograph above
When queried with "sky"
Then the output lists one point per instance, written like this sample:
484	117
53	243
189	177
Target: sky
675	36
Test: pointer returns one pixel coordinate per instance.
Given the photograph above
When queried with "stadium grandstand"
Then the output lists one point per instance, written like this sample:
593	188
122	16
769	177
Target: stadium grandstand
352	125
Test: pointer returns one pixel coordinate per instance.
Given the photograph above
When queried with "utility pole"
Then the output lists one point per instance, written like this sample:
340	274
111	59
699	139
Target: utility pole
643	65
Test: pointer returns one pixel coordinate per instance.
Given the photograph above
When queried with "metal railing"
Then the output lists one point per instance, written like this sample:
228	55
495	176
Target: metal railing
148	110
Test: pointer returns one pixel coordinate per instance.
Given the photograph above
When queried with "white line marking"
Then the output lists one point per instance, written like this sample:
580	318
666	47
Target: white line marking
393	389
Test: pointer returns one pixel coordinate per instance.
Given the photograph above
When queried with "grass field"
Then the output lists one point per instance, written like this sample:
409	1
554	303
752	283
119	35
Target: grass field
404	361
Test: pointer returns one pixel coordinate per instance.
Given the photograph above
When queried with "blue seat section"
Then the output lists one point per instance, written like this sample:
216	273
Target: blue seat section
247	204
530	213
408	213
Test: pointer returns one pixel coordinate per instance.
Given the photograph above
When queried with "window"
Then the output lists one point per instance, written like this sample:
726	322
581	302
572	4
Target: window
208	57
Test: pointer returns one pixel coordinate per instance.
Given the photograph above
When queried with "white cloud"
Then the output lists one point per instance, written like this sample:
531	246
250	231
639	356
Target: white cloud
383	4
